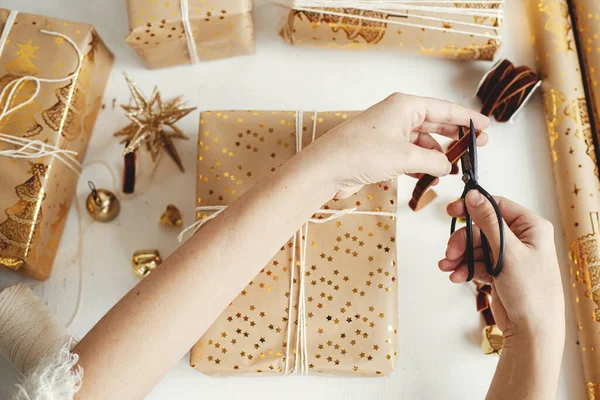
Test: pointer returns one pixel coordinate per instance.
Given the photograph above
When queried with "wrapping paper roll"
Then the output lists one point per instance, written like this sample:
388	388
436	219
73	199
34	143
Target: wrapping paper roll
575	169
587	18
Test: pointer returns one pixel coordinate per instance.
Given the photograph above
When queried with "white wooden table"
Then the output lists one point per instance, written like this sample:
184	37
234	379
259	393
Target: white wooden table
438	355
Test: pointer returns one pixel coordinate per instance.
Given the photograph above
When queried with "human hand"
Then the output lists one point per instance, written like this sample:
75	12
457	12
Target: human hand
393	138
527	296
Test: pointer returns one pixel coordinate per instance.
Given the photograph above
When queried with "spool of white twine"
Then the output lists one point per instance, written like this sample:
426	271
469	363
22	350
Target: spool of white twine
28	331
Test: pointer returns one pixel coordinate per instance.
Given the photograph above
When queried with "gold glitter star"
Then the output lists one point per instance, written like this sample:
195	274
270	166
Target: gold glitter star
150	119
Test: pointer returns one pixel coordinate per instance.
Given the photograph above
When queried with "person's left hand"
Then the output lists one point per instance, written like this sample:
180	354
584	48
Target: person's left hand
393	138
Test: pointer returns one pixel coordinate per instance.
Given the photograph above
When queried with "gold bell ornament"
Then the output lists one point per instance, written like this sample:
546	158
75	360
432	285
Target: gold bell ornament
144	262
102	204
171	216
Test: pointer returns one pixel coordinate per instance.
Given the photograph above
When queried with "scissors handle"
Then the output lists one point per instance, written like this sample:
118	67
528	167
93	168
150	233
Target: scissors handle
490	268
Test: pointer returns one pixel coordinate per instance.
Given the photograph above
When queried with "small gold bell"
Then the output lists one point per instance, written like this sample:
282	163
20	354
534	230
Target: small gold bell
102	204
171	216
145	261
492	340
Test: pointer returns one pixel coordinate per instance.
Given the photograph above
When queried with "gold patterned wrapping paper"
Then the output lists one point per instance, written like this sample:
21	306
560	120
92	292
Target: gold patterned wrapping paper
575	169
428	32
221	28
35	194
349	281
587	18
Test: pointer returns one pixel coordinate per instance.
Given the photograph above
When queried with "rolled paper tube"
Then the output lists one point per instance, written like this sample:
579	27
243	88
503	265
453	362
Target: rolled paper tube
586	14
28	331
505	89
454	153
575	169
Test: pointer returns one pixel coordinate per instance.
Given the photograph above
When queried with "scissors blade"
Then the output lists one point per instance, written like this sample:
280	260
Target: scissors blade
473	150
465	162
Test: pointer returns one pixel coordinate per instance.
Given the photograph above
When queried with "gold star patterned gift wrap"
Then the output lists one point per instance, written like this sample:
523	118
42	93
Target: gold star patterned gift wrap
35	194
466	31
220	29
332	312
575	169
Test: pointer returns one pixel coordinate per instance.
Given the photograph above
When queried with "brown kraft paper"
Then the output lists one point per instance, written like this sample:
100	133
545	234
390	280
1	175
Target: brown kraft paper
220	29
350	298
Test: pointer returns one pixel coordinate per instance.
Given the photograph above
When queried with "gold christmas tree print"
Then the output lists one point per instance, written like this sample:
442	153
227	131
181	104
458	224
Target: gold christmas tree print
370	30
67	114
150	119
21	122
22	65
19	232
585	253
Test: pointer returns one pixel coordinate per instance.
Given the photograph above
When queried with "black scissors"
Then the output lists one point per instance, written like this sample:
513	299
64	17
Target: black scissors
468	163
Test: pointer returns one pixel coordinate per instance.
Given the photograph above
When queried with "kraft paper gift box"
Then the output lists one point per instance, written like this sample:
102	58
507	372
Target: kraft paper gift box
327	302
465	31
35	193
162	36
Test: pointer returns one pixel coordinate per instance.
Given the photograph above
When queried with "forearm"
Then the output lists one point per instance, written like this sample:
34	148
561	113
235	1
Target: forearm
157	322
529	368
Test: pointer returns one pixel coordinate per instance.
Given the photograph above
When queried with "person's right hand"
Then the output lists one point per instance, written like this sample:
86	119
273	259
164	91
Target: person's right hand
527	294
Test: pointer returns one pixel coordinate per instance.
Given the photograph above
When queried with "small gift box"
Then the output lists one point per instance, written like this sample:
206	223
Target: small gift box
168	33
52	77
466	30
327	302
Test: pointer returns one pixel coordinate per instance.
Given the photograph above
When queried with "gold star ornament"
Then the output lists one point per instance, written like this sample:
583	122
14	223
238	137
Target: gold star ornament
153	124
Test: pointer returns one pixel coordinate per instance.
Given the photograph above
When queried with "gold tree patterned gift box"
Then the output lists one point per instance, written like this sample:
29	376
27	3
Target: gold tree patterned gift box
466	30
167	33
36	193
327	301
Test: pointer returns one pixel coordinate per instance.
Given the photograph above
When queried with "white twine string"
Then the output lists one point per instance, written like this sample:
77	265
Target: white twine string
393	8
34	148
28	331
189	35
301	365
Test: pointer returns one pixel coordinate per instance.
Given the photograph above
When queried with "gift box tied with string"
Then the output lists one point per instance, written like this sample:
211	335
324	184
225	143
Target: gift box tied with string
52	77
327	302
169	33
465	30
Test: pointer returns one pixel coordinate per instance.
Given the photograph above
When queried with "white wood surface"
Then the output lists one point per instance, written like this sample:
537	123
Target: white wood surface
439	356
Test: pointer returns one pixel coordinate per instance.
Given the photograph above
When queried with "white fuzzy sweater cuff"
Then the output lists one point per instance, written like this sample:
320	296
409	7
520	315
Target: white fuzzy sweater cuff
54	378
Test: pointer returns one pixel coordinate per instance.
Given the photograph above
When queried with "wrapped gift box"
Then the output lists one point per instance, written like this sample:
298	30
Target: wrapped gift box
36	194
465	31
332	311
218	29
